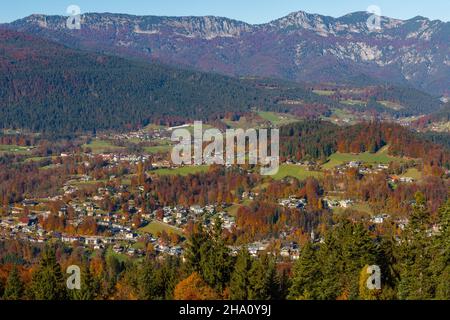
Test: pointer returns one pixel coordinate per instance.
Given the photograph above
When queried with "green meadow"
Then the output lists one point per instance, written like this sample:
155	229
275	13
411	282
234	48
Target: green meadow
182	171
380	157
13	149
155	227
158	149
101	146
294	171
413	173
278	119
324	92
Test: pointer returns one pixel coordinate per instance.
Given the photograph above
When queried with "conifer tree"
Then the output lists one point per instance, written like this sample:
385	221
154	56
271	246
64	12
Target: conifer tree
48	282
167	276
416	254
240	277
306	275
14	289
215	259
274	285
193	249
258	285
148	287
441	264
89	287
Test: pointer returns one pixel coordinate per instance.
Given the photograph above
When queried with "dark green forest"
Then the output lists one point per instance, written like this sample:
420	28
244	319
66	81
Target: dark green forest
46	87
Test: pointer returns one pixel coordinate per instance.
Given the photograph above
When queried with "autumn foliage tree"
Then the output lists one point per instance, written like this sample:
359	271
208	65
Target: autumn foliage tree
194	288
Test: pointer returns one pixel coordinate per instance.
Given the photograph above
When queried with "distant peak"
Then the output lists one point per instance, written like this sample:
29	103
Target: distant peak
358	14
419	18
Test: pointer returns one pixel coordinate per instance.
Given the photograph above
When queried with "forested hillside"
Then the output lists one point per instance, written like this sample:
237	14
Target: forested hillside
47	87
319	140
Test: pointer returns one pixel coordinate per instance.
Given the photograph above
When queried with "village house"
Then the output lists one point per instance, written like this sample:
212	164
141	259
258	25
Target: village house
379	219
196	209
354	164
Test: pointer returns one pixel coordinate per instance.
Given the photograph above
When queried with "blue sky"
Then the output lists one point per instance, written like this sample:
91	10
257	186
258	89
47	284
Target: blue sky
252	11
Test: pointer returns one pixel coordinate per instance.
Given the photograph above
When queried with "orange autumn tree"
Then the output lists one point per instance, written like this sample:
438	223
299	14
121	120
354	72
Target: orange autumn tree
194	288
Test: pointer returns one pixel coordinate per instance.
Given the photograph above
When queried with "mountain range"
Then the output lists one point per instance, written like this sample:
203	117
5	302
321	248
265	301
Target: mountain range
298	47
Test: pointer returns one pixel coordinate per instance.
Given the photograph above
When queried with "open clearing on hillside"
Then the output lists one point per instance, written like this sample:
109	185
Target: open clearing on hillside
324	92
101	146
350	102
412	173
182	171
37	159
233	209
361	207
380	157
244	123
340	116
158	149
278	119
294	171
392	105
155	227
4	148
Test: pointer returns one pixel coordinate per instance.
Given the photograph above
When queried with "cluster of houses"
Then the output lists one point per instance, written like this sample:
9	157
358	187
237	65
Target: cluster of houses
299	203
290	250
115	228
333	203
249	195
397	179
293	203
179	216
145	134
365	170
116	158
362	169
380	219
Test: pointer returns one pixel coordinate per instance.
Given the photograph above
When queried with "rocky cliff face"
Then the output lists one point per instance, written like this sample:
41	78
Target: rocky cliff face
300	46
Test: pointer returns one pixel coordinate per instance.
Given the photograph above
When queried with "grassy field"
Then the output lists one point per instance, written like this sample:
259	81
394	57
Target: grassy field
324	92
361	207
155	227
36	159
277	119
381	156
204	128
101	146
154	127
182	171
119	256
139	245
245	123
391	105
13	149
340	115
158	149
413	173
232	211
353	102
299	172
